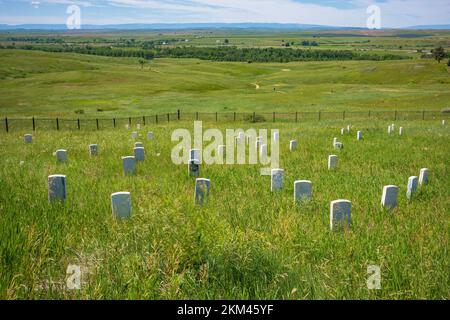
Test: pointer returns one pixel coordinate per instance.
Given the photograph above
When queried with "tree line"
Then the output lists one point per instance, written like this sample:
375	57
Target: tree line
216	53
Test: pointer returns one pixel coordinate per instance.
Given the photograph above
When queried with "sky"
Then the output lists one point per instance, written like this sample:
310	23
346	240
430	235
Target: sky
350	13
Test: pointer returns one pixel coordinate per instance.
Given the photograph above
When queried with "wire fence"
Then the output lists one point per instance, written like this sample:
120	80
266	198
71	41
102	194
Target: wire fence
10	124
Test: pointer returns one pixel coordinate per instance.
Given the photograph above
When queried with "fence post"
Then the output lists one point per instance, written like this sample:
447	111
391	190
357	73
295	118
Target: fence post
274	117
296	116
78	124
96	120
168	117
179	114
216	116
254	116
6	125
156	118
143	120
343	115
234	116
114	122
129	121
34	125
57	123
196	116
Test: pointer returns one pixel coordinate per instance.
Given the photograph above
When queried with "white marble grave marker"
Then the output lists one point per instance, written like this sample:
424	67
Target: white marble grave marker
400	131
412	187
61	155
332	161
277	180
139	154
335	140
340	214
342	131
149	135
302	190
292	145
389	130
129	165
195	154
28	138
194	168
359	135
121	204
443	122
389	197
56	187
348	128
202	187
424	176
93	149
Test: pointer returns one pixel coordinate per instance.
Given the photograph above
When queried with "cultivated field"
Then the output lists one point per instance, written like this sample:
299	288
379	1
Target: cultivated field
246	242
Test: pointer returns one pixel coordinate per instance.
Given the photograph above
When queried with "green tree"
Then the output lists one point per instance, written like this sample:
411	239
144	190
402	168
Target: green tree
226	41
438	54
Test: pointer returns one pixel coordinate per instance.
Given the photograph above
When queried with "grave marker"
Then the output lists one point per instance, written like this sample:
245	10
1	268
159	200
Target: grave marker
424	176
292	145
28	138
150	136
56	187
340	214
302	190
202	187
342	131
412	187
134	135
138	145
194	168
359	135
121	205
400	131
389	197
93	149
332	161
61	155
129	165
139	154
277	180
338	146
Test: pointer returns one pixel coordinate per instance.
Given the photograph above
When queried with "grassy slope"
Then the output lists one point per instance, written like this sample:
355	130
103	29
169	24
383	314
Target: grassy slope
37	83
247	242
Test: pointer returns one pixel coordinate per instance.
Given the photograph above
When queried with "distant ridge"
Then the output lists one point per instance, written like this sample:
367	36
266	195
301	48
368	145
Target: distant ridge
200	26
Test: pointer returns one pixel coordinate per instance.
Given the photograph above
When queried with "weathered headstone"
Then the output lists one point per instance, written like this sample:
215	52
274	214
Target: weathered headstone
61	155
332	161
340	214
335	140
424	176
202	188
393	127
129	165
412	187
348	128
389	129
121	205
400	131
28	138
292	145
302	190
139	154
195	154
138	126
342	131
127	126
443	122
277	180
56	187
359	135
338	146
93	149
150	136
389	197
138	145
134	135
194	168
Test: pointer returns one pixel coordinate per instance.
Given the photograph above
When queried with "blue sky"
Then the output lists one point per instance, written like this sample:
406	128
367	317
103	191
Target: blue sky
394	13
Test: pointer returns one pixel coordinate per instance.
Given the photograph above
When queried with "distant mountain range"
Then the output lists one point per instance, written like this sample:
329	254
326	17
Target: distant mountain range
181	26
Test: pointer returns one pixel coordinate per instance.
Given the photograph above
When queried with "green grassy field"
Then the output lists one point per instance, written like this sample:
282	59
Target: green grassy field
50	84
246	242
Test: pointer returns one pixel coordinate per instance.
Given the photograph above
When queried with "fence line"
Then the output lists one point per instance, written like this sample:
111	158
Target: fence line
57	123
